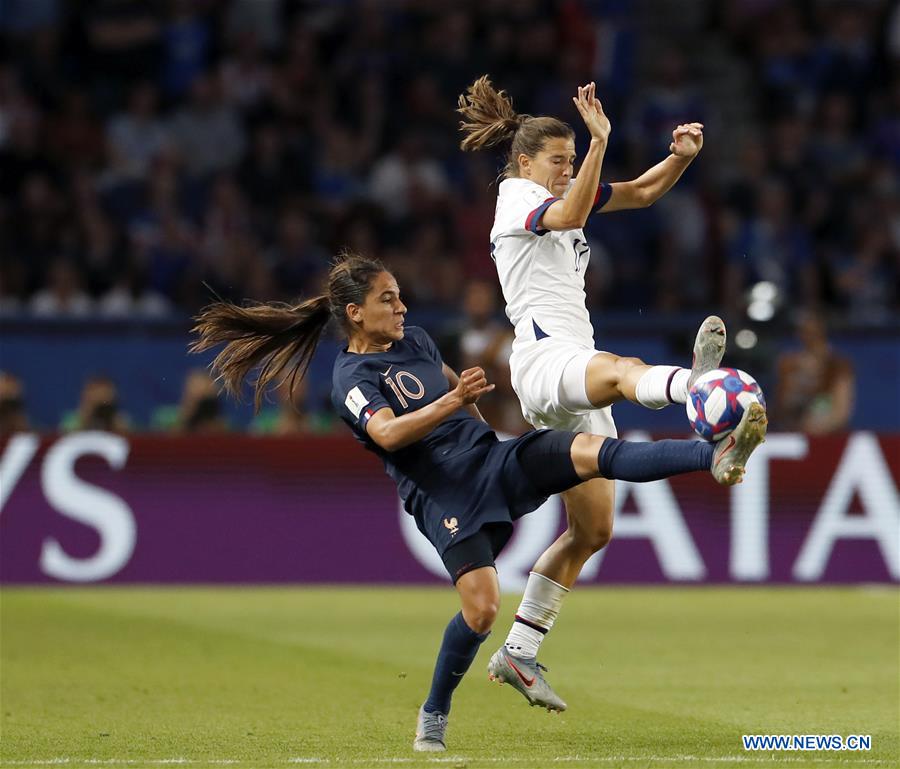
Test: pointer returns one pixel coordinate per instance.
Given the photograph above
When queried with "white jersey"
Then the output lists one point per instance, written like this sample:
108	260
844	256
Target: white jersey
541	271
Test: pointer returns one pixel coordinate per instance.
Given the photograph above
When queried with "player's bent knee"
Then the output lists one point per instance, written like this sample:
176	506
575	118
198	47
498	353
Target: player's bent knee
607	375
593	538
600	538
481	615
627	363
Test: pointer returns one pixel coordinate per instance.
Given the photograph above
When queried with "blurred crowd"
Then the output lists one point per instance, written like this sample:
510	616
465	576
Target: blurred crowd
153	152
198	412
149	147
814	391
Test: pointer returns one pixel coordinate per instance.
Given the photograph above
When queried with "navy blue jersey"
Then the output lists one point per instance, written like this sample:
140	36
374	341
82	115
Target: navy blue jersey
459	476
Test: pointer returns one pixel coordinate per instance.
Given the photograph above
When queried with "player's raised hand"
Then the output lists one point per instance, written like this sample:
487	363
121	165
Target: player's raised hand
592	112
687	140
472	385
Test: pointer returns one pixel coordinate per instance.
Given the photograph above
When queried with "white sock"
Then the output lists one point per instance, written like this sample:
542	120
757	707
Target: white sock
661	386
536	615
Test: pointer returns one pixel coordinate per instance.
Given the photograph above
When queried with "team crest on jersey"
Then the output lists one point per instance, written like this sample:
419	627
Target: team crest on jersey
452	525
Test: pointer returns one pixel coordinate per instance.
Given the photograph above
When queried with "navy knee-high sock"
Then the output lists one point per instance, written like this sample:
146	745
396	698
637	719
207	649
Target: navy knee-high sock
458	649
641	461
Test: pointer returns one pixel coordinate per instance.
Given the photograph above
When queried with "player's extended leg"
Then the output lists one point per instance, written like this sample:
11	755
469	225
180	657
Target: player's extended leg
609	378
589	505
479	592
589	511
589	517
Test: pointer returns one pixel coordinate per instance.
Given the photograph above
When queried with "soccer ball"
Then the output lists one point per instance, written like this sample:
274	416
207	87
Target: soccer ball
717	400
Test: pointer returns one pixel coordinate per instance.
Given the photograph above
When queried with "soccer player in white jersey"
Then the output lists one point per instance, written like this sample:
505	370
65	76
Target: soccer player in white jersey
561	380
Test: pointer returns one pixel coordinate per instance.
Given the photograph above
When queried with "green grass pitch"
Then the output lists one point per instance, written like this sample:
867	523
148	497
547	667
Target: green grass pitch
291	677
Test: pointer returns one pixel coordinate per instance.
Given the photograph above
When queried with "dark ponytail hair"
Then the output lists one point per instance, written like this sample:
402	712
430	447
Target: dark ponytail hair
280	338
489	119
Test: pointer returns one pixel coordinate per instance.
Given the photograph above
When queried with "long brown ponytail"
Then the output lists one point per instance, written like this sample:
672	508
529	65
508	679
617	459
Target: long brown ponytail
489	119
488	116
278	338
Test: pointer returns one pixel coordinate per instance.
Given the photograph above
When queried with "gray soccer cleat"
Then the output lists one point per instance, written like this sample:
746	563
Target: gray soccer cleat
732	452
709	347
524	675
430	728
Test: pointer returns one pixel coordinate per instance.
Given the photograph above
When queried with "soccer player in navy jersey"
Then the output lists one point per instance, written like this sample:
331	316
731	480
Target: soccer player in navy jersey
463	485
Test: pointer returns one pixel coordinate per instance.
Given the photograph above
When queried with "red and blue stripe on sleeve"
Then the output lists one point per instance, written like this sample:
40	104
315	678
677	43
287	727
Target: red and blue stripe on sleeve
533	220
604	193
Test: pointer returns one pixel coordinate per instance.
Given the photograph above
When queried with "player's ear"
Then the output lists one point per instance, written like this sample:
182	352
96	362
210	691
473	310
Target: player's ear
524	163
354	312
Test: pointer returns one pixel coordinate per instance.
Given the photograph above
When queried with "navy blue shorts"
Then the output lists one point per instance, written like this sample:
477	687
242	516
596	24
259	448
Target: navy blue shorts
490	486
477	551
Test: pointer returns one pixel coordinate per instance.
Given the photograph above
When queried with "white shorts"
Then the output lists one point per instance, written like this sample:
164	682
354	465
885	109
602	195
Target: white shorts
548	376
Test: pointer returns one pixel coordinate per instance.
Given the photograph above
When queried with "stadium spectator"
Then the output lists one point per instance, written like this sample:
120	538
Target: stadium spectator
772	247
170	256
64	295
472	218
670	99
263	19
815	389
336	174
74	136
834	148
135	137
13	416
245	74
39	211
129	296
22	18
98	408
865	267
290	415
122	40
270	173
406	178
101	250
297	261
430	255
486	342
786	59
187	41
12	287
481	330
227	228
845	53
199	410
207	132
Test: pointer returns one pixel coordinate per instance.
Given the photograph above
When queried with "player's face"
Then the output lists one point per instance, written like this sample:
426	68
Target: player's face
553	166
382	313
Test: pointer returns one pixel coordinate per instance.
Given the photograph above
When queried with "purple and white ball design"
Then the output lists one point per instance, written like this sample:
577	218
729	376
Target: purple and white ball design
717	400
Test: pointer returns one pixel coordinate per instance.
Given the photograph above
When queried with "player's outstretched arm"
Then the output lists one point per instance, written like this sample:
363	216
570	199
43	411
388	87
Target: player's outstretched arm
391	432
650	186
572	212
